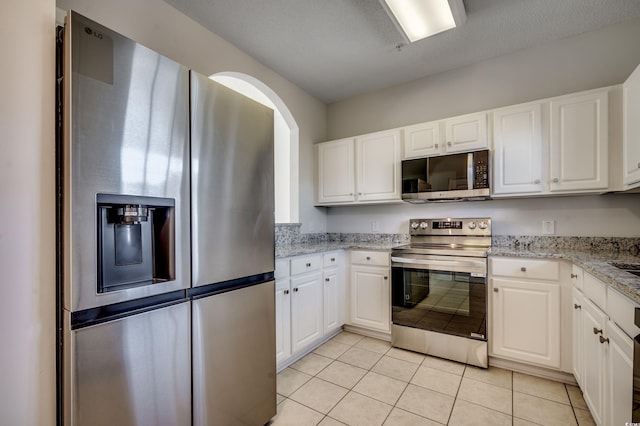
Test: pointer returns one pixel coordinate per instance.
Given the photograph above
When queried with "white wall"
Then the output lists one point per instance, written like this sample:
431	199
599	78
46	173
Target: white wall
610	215
159	26
591	60
27	214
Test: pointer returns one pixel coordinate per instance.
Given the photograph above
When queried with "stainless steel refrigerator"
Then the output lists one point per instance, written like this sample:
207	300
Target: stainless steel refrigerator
165	240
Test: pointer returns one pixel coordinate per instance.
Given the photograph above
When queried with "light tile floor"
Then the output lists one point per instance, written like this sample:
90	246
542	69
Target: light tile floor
357	380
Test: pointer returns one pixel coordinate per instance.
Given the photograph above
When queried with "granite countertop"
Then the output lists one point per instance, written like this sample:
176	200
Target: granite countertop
596	262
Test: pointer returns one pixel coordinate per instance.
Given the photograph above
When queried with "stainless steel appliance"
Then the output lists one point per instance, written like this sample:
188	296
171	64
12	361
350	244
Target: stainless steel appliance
439	289
453	177
137	321
635	414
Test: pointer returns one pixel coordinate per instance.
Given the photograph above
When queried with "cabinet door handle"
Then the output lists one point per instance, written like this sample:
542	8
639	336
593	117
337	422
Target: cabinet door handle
604	340
386	278
327	279
495	290
359	193
368	258
574	275
449	143
286	292
597	330
295	289
333	259
308	265
576	306
436	146
537	181
523	269
639	165
555	180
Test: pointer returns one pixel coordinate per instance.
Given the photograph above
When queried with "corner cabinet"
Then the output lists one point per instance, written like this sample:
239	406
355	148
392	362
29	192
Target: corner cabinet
365	169
631	130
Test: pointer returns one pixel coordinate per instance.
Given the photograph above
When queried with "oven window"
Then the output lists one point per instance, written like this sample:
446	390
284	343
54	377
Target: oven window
441	301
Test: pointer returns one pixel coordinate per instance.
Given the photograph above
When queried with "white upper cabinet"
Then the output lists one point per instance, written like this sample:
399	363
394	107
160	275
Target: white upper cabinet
578	142
336	171
517	150
365	169
424	139
631	130
466	133
378	166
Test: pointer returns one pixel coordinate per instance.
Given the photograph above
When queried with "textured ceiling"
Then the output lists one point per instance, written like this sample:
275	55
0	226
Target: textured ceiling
335	49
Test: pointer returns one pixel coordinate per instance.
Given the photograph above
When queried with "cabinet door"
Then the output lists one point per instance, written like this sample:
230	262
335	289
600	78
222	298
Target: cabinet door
578	351
306	310
370	297
526	321
332	300
631	126
593	379
620	376
579	142
423	140
283	319
466	133
378	166
517	154
336	171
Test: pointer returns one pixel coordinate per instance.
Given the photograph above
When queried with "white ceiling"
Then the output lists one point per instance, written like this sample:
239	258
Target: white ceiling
335	49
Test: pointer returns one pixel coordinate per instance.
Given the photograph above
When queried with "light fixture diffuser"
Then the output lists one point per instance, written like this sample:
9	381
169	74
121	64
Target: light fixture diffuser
417	19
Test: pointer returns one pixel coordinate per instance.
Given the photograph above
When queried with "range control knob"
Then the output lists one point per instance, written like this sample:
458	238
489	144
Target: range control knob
424	225
472	225
414	225
483	225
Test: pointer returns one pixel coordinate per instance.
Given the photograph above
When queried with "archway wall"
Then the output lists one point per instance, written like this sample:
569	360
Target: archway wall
160	27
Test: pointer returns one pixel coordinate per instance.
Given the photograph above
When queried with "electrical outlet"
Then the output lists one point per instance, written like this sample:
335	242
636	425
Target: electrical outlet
374	226
548	227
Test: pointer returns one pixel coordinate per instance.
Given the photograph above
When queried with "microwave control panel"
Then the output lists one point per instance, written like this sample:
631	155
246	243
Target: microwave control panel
481	169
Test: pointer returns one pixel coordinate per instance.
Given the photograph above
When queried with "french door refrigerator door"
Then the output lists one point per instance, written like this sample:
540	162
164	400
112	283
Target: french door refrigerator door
232	214
234	357
130	371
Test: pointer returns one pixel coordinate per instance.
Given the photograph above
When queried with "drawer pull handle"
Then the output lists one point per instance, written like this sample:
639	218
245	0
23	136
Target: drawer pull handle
576	306
597	330
495	290
327	279
449	144
555	180
523	269
286	292
537	181
604	340
574	275
295	289
386	278
333	259
368	258
308	265
436	146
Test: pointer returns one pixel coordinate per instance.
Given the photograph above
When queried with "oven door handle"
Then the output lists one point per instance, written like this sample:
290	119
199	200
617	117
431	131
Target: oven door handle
458	265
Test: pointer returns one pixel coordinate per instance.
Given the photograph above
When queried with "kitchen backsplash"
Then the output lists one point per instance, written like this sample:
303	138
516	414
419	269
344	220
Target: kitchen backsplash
289	234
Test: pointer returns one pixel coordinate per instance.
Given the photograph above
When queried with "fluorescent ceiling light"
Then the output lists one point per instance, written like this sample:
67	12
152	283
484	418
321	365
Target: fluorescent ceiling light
418	19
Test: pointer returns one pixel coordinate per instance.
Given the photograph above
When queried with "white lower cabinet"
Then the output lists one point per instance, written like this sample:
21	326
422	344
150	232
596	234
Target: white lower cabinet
370	305
525	307
603	351
309	301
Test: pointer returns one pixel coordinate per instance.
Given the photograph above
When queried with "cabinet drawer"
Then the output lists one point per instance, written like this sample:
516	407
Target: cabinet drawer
595	290
622	311
331	259
282	268
377	258
526	268
302	264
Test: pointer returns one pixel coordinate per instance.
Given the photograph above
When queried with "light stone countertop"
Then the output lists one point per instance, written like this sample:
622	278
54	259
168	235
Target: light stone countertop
597	263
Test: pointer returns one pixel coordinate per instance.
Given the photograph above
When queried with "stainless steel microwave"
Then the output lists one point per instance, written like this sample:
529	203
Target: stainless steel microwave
453	177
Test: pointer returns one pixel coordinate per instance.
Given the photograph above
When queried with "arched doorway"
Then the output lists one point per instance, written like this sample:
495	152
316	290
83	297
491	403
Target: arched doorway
286	135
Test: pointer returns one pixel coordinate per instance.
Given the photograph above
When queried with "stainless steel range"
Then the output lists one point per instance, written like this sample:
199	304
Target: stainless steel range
439	289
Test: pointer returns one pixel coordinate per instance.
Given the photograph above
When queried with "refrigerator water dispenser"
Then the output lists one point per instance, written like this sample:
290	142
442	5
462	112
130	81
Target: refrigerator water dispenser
136	241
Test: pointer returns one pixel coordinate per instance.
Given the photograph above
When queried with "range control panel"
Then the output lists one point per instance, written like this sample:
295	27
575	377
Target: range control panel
449	226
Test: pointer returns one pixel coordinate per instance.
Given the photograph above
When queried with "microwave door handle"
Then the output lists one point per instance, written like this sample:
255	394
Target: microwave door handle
408	262
470	170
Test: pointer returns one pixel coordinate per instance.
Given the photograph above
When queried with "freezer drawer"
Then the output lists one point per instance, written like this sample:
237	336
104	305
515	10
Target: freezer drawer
130	371
234	357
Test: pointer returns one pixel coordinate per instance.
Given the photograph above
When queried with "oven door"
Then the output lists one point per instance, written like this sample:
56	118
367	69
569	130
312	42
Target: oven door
445	294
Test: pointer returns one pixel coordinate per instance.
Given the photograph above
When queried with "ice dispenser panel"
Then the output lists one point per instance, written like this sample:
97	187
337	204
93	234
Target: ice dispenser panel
136	241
